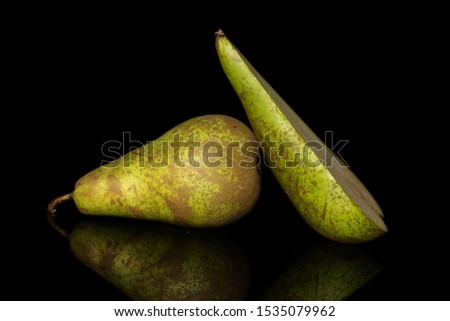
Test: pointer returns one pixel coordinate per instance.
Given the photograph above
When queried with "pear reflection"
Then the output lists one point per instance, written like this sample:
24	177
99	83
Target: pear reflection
327	271
160	262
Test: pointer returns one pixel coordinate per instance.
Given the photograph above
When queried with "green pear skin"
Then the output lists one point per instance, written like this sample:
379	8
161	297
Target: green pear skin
326	272
162	262
330	199
171	180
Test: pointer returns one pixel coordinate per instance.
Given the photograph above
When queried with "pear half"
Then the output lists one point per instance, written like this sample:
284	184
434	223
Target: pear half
330	198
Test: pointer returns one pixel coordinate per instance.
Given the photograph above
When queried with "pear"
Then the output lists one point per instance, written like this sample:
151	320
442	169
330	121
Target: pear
162	262
330	198
202	173
326	272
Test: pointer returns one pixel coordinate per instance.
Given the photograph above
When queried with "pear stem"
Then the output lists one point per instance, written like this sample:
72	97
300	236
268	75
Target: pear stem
219	33
51	208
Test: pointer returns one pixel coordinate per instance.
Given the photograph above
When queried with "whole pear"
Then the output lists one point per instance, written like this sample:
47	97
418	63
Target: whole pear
326	272
201	173
326	193
162	262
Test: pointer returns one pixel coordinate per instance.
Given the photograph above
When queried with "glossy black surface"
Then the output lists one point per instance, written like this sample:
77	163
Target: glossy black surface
88	78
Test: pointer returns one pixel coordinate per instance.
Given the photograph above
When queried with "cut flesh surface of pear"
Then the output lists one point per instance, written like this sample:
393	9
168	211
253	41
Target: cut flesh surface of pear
341	173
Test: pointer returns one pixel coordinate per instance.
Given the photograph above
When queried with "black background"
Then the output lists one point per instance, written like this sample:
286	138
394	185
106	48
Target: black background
82	76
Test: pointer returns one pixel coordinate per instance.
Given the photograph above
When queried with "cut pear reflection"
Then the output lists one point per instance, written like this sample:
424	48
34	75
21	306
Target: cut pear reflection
326	272
160	262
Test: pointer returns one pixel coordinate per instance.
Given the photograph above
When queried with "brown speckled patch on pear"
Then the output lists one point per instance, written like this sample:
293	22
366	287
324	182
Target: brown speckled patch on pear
250	180
178	200
107	259
324	209
136	212
132	188
114	185
242	191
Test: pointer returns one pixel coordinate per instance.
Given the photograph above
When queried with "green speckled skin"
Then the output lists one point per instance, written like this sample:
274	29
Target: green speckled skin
327	272
320	200
196	196
162	262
